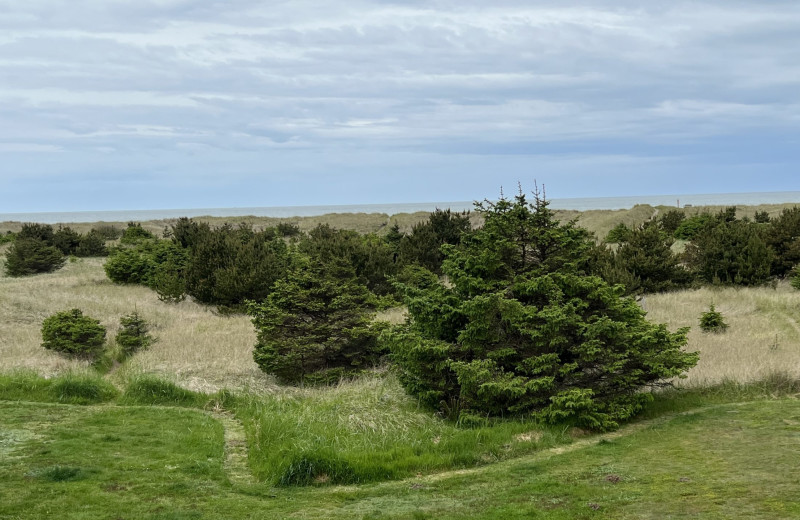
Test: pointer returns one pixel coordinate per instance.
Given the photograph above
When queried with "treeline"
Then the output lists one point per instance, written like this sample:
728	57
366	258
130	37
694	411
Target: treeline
721	250
39	248
228	265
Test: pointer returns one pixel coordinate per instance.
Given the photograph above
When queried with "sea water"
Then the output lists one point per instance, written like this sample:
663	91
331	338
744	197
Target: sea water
581	204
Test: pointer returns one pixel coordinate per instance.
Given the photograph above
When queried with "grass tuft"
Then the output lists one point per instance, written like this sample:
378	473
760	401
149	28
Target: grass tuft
82	388
151	390
318	469
61	474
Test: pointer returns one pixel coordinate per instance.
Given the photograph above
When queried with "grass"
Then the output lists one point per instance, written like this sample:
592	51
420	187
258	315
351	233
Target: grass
369	430
720	462
763	336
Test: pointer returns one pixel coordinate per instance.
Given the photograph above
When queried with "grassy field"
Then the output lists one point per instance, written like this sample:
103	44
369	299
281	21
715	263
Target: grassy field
717	462
192	429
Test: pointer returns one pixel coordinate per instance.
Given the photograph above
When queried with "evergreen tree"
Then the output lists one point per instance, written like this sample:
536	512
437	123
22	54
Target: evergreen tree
783	238
316	324
27	256
524	330
423	245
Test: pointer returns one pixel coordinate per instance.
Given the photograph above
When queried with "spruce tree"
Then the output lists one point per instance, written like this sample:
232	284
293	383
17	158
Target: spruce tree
523	329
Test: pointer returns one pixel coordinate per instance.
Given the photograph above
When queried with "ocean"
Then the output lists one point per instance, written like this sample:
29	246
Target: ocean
580	204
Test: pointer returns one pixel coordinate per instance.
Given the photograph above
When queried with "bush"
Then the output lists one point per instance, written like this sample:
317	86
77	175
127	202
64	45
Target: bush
423	245
783	238
712	321
731	252
91	244
671	220
28	256
316	325
131	266
523	330
135	233
66	240
133	335
7	237
645	263
690	227
618	234
43	232
72	333
107	232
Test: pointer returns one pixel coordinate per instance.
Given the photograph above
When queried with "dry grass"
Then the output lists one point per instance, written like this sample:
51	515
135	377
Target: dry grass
199	348
763	337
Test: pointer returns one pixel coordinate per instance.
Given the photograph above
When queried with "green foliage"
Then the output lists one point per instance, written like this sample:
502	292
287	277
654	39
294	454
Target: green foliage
133	334
27	256
147	263
66	240
423	245
761	217
107	232
645	263
618	234
315	326
783	238
7	237
72	333
795	278
523	330
712	321
671	221
227	266
43	232
287	229
371	258
730	252
91	244
692	226
135	233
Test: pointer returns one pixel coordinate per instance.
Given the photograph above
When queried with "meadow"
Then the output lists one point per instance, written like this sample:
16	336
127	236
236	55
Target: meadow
191	428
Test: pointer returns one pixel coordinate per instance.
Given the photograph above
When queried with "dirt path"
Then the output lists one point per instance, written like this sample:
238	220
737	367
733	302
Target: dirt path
235	463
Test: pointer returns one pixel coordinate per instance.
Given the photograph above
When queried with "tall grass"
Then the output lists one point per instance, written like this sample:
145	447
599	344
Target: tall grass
73	387
368	430
763	337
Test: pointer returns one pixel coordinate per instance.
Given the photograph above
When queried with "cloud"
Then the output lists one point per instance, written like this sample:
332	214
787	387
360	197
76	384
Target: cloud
161	83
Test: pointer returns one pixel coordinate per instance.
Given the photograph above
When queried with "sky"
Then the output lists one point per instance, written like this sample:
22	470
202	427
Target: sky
145	104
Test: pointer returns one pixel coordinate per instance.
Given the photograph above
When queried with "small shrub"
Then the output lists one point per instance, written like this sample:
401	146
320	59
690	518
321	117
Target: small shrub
795	280
619	234
712	321
107	232
72	333
133	335
7	237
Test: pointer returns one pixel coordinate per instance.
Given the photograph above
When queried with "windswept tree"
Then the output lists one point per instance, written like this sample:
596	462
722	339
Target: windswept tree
522	329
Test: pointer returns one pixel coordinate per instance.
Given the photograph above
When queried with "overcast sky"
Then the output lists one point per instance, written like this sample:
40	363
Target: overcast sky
111	104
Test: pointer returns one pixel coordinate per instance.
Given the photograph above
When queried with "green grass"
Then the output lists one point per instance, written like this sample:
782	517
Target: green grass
74	387
369	430
720	462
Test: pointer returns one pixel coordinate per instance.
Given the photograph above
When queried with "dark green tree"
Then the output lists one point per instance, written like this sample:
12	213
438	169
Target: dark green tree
732	252
618	234
712	321
524	330
671	220
26	256
423	246
783	238
43	232
371	257
692	226
92	244
135	233
316	324
66	240
645	263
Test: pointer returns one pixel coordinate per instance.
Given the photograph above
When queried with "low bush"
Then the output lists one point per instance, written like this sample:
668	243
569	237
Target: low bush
73	334
712	321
